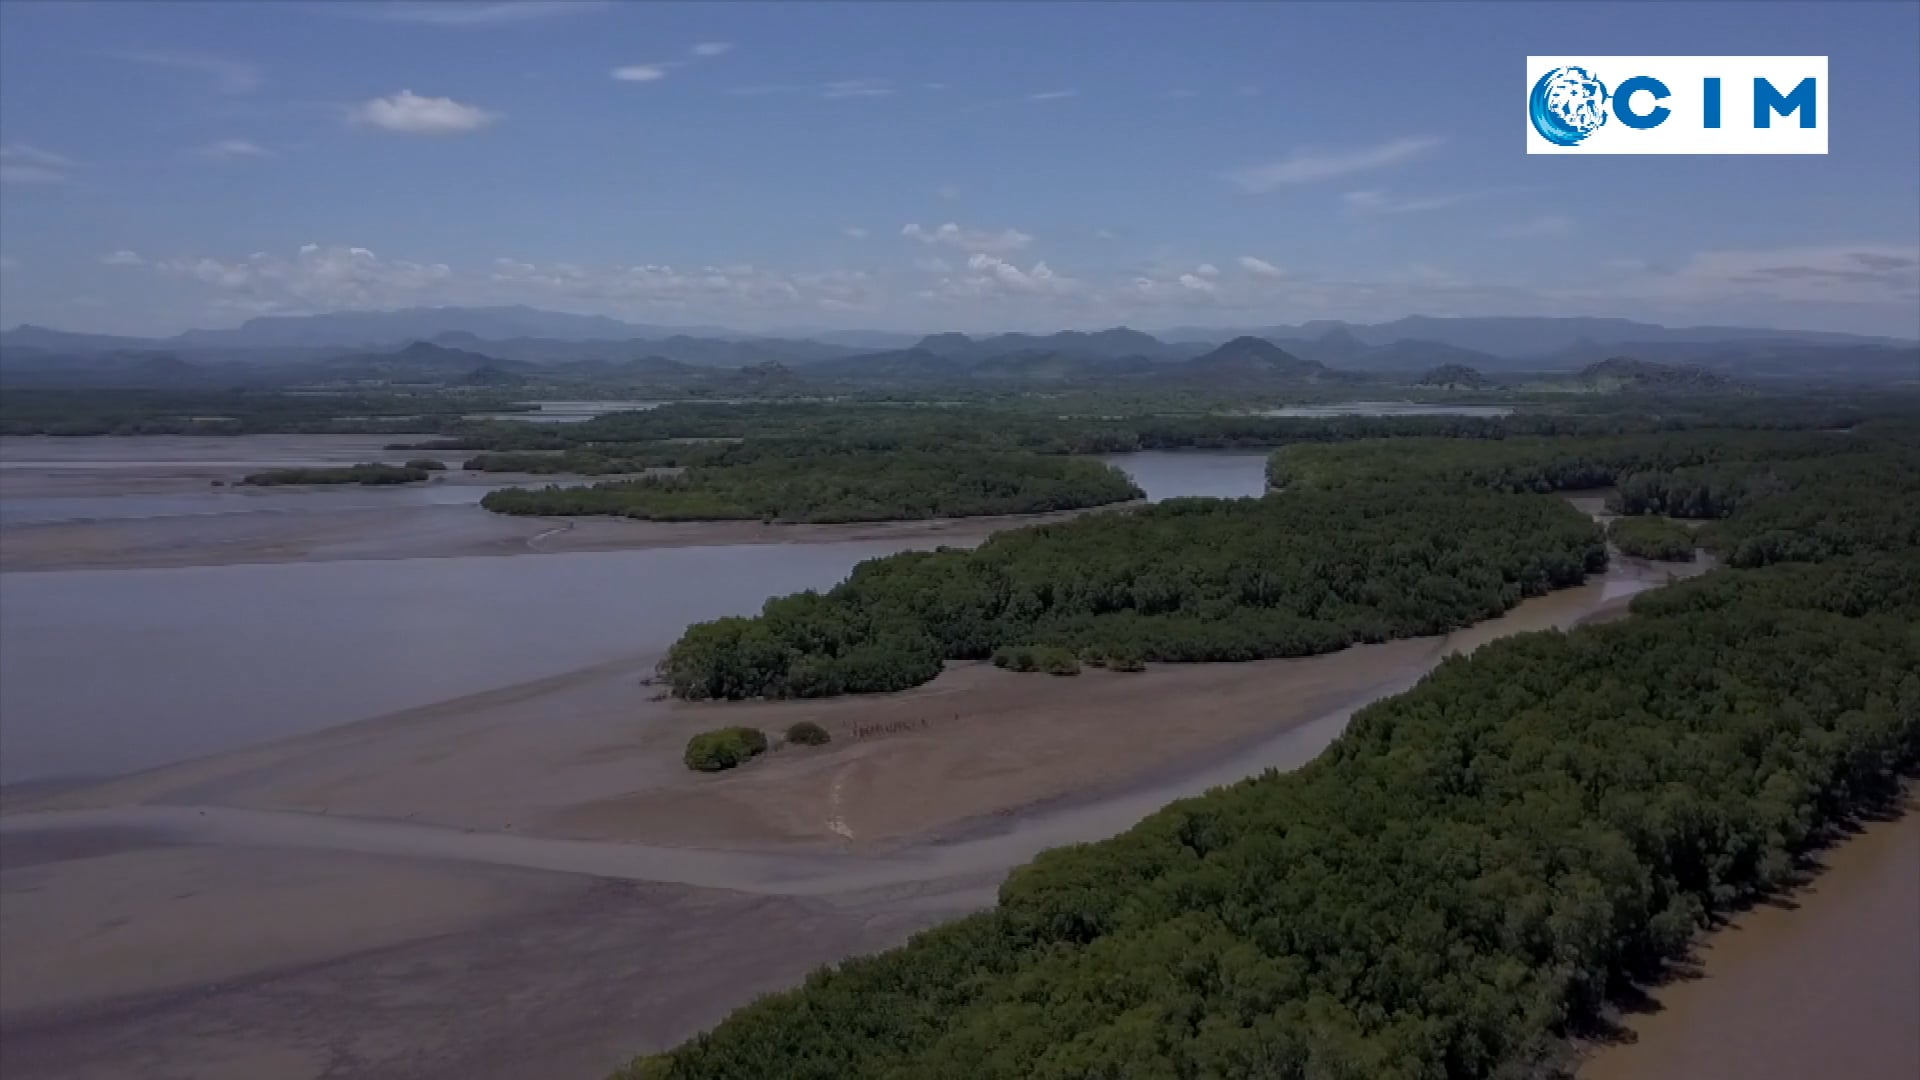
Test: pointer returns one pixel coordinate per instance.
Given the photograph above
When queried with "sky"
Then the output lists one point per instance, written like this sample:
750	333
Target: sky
923	166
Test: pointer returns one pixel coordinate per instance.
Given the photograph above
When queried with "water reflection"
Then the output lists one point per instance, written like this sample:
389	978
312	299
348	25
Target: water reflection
1165	474
111	670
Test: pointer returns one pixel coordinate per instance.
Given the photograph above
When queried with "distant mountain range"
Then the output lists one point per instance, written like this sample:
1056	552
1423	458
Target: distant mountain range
1522	337
528	340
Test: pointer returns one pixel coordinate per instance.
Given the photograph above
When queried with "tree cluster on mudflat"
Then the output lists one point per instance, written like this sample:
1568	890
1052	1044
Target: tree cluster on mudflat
371	474
839	487
1184	580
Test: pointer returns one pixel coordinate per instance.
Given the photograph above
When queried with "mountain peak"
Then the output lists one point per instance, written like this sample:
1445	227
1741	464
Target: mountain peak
1253	355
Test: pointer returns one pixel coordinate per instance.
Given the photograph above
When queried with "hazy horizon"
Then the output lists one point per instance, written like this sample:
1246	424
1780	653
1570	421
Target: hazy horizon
970	167
1154	330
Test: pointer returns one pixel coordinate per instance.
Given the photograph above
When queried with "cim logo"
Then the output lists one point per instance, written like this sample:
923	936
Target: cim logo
1676	104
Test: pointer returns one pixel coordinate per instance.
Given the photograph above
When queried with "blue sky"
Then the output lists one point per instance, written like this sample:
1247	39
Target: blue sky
922	166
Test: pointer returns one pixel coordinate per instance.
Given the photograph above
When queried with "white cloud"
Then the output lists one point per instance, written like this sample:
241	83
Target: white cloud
1053	95
1541	225
345	277
317	278
8	262
1037	279
29	174
948	192
1307	166
640	73
23	164
940	283
968	239
712	48
33	155
857	88
1846	274
987	276
459	13
839	89
229	76
408	113
230	149
1382	202
1105	234
857	232
123	257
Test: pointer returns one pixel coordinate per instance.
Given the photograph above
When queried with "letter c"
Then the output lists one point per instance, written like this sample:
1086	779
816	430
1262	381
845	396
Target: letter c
1623	102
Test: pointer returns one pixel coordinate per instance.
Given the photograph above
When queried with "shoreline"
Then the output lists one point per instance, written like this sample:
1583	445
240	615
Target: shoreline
438	532
1737	1008
591	754
583	930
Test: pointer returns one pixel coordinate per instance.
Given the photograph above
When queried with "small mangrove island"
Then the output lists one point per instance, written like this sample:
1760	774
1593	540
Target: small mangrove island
371	474
840	487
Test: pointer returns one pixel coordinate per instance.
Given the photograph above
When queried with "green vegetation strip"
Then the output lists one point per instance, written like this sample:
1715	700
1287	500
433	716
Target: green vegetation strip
840	487
1045	425
370	474
1185	580
1652	538
592	461
1450	891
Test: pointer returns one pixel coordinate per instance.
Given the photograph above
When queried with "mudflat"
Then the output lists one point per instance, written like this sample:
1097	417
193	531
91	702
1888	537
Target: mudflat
34	466
426	532
595	753
107	503
528	882
252	963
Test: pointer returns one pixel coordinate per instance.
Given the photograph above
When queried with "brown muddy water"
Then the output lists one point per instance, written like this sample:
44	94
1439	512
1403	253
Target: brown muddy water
1825	984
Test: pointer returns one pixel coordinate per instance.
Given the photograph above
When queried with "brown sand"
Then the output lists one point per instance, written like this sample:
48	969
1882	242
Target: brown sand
595	754
589	755
283	951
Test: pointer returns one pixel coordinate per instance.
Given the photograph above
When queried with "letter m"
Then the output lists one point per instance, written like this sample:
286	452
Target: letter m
1767	101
